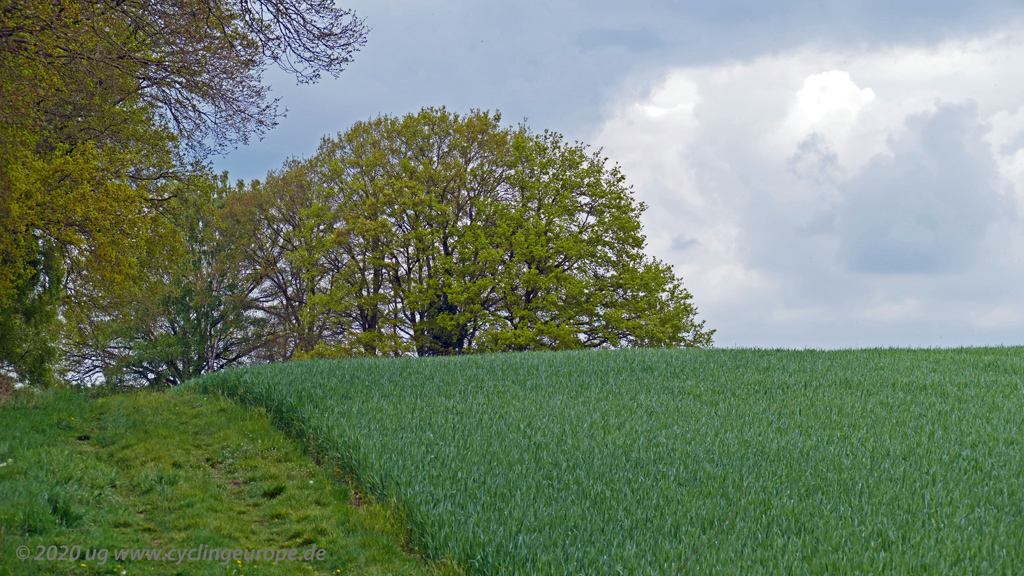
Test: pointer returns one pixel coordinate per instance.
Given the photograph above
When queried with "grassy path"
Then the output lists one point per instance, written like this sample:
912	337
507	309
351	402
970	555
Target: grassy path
175	470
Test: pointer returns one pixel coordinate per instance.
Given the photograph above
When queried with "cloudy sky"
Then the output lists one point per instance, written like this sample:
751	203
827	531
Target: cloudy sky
829	174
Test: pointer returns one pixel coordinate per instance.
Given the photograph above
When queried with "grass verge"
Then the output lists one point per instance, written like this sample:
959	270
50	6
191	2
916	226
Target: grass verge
176	471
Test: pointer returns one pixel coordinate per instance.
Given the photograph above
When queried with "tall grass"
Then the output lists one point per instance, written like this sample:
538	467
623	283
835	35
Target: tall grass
679	461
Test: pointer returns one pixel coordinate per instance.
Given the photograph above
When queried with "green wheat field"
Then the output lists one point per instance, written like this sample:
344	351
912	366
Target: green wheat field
669	462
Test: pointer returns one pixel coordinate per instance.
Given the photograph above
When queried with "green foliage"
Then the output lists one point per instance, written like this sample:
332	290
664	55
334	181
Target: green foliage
195	66
79	145
172	470
437	234
28	320
191	313
634	461
102	103
276	232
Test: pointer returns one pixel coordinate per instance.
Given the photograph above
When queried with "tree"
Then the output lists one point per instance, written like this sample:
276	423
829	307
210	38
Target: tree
102	102
196	65
437	233
27	324
573	271
278	233
193	313
409	199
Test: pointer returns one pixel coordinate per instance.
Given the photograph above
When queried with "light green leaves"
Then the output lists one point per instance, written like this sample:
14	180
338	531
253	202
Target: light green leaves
436	234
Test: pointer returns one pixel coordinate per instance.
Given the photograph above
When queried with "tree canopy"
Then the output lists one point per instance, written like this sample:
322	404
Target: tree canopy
436	233
103	102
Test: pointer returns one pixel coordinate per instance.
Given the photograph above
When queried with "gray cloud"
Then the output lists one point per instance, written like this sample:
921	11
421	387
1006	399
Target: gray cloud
845	20
815	161
926	208
735	11
683	243
560	63
643	40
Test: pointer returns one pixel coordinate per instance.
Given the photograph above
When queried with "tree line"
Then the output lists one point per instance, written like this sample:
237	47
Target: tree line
125	260
105	107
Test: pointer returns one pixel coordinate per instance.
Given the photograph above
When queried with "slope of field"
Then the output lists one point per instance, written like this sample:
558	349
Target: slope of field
679	461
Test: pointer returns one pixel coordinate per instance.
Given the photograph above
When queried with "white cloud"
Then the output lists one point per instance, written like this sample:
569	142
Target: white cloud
827	104
832	199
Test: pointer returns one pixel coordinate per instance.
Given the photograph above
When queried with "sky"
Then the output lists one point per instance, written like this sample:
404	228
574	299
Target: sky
828	175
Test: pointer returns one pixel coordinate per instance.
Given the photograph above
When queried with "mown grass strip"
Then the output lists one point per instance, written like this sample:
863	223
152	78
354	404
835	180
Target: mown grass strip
175	470
844	462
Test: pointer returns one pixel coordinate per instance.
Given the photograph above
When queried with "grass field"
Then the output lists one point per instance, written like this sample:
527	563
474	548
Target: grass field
678	461
174	470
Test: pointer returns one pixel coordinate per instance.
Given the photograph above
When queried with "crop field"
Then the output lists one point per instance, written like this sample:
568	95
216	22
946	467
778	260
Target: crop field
678	461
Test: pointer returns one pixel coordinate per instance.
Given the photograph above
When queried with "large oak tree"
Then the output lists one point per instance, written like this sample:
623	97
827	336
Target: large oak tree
438	233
